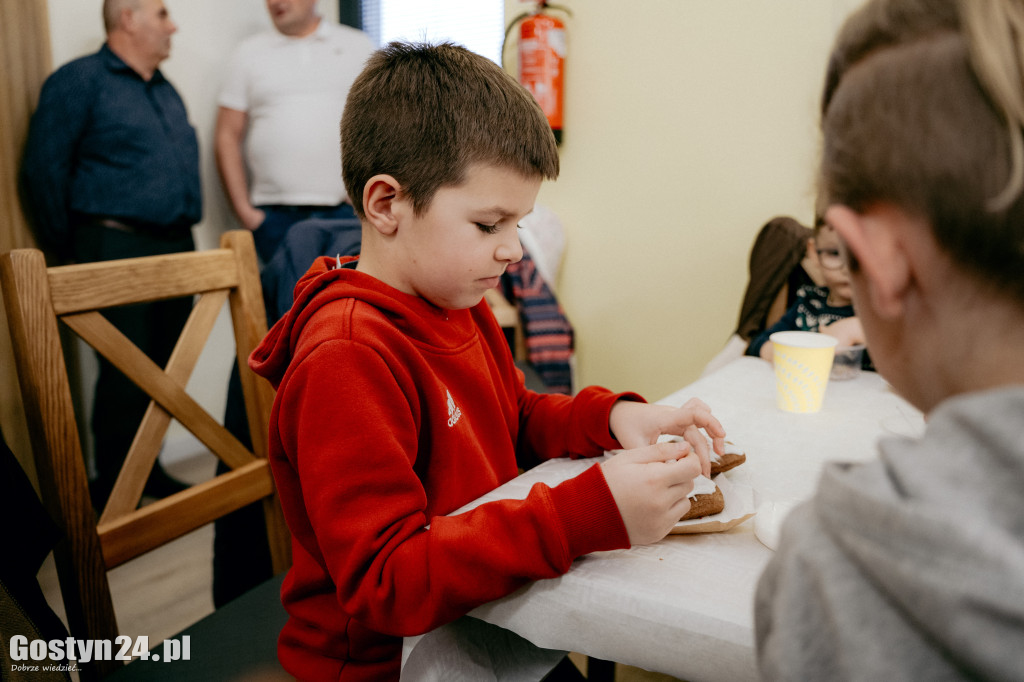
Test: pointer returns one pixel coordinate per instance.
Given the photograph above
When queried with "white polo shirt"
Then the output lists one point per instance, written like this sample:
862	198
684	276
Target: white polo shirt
294	90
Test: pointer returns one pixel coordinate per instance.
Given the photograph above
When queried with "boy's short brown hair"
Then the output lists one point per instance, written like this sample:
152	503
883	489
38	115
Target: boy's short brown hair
423	113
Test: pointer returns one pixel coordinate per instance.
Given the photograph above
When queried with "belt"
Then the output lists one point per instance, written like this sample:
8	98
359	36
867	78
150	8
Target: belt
291	208
166	231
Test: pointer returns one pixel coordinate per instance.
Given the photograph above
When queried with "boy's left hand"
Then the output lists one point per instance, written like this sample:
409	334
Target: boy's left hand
635	425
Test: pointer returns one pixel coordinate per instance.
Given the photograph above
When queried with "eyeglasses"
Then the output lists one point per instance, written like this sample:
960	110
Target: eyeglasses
831	259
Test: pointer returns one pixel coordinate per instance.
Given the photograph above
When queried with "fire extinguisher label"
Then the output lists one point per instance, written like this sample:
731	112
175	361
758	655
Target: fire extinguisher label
556	41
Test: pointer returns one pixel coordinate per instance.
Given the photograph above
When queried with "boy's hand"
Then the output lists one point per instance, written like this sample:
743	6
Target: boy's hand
848	330
650	485
638	424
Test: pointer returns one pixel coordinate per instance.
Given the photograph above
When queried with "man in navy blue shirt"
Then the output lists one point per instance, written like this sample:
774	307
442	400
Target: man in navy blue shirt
111	170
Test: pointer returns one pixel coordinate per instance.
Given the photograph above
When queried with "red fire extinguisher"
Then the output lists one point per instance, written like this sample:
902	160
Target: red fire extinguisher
542	48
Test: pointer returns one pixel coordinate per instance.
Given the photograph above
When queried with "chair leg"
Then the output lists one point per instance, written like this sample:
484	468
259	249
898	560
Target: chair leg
565	671
599	670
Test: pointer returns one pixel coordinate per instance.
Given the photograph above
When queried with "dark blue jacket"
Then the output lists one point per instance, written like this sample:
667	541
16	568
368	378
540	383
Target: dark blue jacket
105	142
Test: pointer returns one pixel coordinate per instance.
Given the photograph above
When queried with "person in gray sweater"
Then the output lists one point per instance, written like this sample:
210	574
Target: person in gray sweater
911	566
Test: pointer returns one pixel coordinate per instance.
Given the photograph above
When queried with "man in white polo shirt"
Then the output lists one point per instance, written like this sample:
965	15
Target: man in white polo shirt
277	141
278	149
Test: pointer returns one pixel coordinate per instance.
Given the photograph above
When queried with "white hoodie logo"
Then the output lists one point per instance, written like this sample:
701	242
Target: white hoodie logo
454	413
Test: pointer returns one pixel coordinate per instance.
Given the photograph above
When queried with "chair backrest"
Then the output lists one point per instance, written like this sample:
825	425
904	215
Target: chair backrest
36	298
779	263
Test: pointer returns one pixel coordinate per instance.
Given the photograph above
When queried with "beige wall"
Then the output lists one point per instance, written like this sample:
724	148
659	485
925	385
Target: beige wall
688	124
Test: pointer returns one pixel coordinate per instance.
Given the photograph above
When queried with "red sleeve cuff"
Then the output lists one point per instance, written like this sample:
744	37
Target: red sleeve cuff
589	515
590	411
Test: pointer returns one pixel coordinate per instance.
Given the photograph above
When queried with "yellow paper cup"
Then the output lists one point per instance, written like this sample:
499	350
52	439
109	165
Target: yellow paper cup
803	361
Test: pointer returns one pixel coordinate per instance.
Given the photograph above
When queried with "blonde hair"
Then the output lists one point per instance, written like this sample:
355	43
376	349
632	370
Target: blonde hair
923	107
995	30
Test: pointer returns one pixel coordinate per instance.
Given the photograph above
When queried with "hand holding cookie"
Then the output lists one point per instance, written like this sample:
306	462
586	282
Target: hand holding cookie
636	424
707	498
650	486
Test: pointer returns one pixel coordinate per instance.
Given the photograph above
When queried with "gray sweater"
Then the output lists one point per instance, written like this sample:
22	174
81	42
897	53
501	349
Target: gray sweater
909	567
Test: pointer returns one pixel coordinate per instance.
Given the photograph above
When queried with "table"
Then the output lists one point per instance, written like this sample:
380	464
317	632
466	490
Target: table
683	606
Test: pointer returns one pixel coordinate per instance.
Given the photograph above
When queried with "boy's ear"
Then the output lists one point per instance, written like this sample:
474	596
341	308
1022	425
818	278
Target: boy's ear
878	255
379	198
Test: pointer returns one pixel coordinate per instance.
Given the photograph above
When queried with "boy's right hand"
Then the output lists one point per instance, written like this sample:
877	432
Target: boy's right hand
651	485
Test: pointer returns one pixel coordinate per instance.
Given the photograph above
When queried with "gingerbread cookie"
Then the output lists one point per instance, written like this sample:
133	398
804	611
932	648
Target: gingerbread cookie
705	500
705	505
733	457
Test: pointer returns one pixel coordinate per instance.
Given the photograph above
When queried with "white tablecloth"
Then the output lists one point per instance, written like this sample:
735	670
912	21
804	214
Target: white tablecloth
683	606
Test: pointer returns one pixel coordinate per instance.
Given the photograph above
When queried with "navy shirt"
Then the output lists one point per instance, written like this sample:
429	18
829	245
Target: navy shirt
809	313
105	142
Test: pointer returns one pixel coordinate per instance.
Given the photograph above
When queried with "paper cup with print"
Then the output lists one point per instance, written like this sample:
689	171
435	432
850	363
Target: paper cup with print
802	361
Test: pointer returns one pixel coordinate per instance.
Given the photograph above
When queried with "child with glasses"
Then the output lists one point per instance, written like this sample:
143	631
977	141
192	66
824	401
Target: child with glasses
827	309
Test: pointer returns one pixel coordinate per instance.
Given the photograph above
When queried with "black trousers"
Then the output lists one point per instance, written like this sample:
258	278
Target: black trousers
118	404
241	555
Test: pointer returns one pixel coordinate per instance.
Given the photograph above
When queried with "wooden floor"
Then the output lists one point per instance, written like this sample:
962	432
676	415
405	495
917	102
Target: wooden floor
166	590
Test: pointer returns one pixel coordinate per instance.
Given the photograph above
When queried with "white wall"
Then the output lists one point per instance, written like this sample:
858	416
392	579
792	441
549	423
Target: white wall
207	32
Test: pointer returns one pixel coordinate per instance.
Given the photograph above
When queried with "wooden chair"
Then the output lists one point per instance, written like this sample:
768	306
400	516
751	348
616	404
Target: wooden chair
781	260
35	298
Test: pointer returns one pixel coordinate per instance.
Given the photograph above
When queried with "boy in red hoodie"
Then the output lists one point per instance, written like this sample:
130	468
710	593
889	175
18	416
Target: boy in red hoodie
397	398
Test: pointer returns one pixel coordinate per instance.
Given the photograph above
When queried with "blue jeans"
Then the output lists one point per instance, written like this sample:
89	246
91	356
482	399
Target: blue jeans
269	235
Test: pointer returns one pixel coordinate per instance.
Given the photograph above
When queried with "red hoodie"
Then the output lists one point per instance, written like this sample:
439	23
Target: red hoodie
391	413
